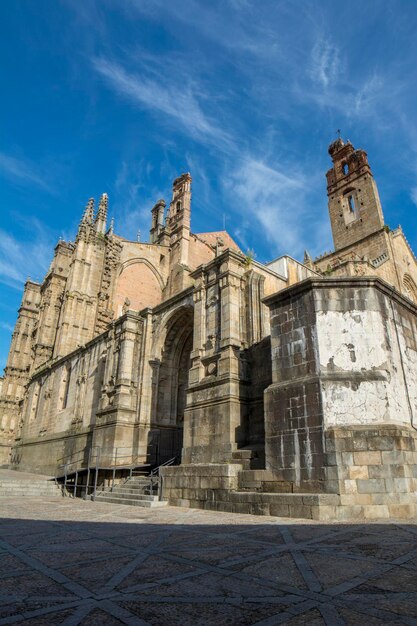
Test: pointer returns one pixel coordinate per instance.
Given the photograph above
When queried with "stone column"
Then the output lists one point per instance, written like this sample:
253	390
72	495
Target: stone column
117	423
214	414
199	332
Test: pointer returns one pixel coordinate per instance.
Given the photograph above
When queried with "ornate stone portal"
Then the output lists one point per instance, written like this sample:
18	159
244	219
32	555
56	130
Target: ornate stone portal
283	388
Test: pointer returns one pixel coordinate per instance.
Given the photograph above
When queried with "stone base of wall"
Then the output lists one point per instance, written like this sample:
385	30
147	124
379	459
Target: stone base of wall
215	488
373	469
370	473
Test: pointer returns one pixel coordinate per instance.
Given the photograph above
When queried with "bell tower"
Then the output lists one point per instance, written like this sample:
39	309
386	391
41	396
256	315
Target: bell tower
178	219
354	205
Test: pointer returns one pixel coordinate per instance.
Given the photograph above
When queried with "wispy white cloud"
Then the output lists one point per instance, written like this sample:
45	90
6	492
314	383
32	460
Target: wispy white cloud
277	199
368	95
6	326
21	171
14	255
413	195
325	63
180	105
134	197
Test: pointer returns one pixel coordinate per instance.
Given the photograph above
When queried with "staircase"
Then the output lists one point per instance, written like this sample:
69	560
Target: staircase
14	484
252	457
136	491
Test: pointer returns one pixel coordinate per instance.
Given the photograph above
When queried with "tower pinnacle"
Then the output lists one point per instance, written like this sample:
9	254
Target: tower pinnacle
101	218
88	216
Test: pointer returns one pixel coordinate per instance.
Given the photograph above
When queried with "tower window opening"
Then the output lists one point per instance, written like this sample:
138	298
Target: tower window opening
178	206
345	169
351	204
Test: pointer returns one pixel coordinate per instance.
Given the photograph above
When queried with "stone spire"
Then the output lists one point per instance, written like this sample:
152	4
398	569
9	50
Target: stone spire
86	220
111	227
88	216
308	261
157	227
101	218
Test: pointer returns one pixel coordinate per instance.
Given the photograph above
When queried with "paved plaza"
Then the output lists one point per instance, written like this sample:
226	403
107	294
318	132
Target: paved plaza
66	561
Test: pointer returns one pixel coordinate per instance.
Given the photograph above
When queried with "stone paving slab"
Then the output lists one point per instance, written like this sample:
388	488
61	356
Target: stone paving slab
76	562
13	475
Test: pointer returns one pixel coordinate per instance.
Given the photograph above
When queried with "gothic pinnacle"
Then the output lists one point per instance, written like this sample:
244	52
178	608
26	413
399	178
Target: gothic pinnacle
101	218
89	211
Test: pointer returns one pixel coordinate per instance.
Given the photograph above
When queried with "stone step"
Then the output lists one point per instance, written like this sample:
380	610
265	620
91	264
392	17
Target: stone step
248	458
28	488
136	502
299	505
138	483
242	454
133	494
128	494
19	489
32	493
40	483
136	486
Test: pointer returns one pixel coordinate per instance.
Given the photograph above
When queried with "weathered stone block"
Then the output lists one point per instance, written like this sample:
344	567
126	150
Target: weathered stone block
279	510
368	458
323	512
360	443
300	510
371	485
347	458
359	471
393	457
402	511
376	511
348	513
350	486
380	443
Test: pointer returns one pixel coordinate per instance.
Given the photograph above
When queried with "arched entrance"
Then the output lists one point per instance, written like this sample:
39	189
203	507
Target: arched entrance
171	389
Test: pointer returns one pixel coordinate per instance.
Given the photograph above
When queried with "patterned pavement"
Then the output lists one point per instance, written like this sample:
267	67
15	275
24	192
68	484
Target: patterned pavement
72	562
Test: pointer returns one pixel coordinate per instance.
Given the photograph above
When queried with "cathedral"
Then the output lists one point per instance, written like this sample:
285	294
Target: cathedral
286	388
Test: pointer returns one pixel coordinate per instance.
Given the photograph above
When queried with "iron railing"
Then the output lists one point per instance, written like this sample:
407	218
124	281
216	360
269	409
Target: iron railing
75	467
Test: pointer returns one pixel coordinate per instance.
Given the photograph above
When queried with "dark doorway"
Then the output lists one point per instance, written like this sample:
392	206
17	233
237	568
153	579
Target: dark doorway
171	390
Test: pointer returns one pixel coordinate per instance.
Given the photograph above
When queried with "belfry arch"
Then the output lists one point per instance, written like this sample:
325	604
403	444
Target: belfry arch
171	387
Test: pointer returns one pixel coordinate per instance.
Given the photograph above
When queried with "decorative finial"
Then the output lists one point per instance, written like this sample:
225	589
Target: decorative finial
89	211
338	133
101	218
104	202
138	236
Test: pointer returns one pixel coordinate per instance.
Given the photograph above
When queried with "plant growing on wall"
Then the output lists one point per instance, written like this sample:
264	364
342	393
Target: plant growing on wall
249	257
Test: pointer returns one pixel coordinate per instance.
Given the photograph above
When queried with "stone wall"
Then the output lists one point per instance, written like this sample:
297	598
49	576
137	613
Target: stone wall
344	356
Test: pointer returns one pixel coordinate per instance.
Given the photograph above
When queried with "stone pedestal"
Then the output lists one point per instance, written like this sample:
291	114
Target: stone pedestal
339	412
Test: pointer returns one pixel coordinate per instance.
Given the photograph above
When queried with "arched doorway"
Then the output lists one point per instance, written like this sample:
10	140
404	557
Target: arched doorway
171	390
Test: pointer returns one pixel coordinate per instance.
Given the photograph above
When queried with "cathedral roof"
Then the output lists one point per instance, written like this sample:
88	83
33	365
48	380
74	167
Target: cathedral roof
211	239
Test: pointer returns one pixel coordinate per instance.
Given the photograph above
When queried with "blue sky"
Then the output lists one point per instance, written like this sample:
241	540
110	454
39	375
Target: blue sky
123	95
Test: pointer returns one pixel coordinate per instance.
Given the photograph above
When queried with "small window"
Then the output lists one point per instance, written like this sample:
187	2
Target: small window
351	203
178	206
345	169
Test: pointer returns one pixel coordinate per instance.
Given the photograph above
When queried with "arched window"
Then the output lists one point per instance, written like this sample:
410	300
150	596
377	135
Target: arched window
178	206
345	168
409	287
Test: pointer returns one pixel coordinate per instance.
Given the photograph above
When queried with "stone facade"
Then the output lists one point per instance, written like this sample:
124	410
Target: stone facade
284	388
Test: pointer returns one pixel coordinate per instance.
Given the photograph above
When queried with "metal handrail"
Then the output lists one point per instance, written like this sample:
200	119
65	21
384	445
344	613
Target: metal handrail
156	475
72	467
155	471
95	453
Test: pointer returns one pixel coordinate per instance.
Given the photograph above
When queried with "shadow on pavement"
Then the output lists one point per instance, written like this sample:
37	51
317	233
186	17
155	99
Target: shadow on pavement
196	568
